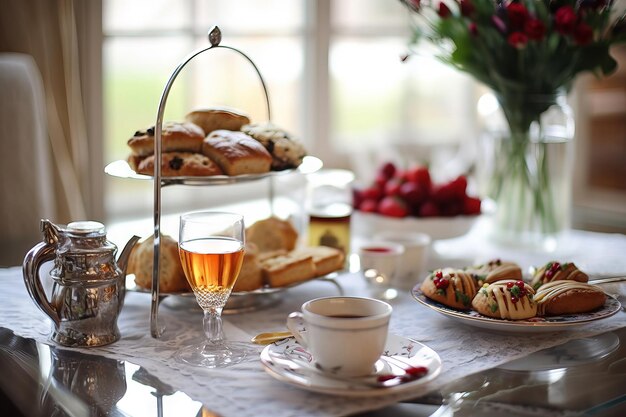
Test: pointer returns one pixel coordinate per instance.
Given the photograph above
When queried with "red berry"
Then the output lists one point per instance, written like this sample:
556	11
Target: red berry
419	175
388	170
451	208
514	299
393	207
442	284
429	209
459	185
372	193
357	197
412	193
510	285
393	187
443	193
471	205
520	284
439	274
380	181
417	371
368	206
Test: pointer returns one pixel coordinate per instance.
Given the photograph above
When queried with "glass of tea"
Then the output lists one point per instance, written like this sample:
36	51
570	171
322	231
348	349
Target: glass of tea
211	249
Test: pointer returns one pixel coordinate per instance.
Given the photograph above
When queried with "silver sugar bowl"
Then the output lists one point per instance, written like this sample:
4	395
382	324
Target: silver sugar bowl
88	283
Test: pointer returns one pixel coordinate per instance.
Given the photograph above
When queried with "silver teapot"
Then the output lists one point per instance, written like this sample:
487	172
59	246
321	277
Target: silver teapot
88	283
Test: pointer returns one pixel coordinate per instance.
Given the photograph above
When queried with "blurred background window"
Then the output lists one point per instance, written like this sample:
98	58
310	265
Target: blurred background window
333	69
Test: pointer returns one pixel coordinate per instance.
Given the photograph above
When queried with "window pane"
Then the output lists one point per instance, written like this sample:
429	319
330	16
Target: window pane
377	97
246	16
132	90
222	77
145	15
369	14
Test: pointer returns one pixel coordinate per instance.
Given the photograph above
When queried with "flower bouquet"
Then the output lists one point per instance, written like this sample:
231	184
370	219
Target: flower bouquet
528	52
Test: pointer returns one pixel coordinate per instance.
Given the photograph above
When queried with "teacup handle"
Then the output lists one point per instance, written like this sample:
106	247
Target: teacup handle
295	324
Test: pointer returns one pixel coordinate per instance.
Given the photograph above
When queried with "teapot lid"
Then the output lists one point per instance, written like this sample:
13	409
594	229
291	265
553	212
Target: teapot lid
86	228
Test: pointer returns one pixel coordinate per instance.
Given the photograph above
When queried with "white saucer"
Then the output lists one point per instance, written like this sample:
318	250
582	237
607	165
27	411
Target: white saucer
289	362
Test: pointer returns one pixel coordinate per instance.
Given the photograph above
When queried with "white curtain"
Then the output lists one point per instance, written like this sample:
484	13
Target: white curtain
46	102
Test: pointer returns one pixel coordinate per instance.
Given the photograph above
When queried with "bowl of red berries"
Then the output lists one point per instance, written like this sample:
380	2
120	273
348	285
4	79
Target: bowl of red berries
408	200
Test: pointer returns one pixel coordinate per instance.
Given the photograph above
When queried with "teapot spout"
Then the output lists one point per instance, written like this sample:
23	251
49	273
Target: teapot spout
122	261
50	231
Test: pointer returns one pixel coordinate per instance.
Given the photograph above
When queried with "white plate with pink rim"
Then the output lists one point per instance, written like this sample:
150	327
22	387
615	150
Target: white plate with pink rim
289	362
533	325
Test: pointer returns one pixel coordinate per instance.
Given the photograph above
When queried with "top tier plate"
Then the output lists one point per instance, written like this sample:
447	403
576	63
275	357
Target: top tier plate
121	169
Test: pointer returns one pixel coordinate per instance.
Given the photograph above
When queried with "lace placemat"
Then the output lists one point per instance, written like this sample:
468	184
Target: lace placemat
246	390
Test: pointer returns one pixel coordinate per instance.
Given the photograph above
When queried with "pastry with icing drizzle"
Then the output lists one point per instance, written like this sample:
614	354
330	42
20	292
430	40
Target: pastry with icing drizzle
506	299
555	271
568	297
453	287
495	270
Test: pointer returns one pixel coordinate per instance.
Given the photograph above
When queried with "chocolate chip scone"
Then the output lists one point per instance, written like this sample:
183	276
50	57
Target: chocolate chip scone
287	152
175	137
452	287
181	164
507	299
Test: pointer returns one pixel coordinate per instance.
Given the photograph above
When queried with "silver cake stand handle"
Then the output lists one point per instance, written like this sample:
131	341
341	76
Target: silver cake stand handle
215	37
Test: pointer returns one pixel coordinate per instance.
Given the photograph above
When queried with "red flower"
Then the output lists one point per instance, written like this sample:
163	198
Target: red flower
444	12
517	15
565	19
583	34
473	29
467	8
517	40
535	29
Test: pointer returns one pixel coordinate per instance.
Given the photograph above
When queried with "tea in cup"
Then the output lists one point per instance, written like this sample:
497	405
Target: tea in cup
414	260
380	265
345	335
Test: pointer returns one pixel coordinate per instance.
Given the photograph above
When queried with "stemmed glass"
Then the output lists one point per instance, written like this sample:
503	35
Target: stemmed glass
211	248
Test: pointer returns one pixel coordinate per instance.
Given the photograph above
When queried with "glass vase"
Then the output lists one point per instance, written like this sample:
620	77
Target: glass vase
528	167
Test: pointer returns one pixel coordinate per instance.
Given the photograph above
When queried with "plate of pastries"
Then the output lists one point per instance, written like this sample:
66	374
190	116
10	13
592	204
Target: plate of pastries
214	145
272	262
495	295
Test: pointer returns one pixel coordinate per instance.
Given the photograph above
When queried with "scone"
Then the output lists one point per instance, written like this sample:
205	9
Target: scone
175	137
325	258
171	279
272	234
507	299
555	271
180	164
452	287
217	118
568	297
284	270
236	153
250	276
495	270
287	152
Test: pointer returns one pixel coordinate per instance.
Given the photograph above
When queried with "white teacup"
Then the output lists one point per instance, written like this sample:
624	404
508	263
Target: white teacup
345	335
414	260
380	265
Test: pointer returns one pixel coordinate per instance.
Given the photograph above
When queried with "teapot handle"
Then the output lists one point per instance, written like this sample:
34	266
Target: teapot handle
42	252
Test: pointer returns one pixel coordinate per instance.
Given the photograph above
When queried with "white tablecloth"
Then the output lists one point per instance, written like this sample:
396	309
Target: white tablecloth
246	390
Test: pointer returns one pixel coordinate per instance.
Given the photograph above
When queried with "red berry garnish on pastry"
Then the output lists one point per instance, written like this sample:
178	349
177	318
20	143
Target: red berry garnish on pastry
452	287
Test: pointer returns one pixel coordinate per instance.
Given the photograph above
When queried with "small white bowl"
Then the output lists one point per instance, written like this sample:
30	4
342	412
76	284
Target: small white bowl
370	224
